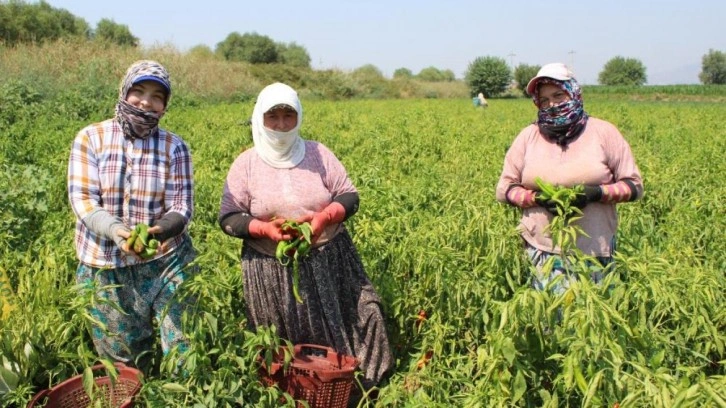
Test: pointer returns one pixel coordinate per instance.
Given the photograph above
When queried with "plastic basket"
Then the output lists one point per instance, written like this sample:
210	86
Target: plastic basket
316	374
70	393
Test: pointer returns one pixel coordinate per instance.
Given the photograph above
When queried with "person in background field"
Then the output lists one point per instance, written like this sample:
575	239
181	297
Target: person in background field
482	100
566	147
122	172
285	177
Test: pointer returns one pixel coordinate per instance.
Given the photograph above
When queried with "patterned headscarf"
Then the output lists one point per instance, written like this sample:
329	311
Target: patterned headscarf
565	121
282	150
135	122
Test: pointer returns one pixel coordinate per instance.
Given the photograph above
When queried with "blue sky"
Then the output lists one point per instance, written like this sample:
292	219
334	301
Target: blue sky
669	37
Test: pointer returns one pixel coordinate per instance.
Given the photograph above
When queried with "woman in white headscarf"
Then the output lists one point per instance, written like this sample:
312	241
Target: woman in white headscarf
284	177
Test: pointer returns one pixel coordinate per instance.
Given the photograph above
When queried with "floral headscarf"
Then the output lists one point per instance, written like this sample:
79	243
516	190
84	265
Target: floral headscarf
135	122
565	121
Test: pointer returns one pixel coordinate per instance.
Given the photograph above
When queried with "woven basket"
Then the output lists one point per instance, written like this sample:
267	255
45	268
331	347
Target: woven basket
317	374
70	393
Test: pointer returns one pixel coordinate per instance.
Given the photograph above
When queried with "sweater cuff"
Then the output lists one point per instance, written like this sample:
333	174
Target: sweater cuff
619	192
350	202
519	196
102	223
236	224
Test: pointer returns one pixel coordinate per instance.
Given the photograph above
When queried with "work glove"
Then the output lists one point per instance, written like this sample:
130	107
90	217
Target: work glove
547	204
590	194
332	214
270	230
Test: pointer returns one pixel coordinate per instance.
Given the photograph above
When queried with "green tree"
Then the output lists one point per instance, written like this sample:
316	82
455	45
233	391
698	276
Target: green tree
27	23
433	74
250	47
623	71
448	75
370	81
108	30
713	69
523	73
488	75
201	51
402	73
368	72
293	54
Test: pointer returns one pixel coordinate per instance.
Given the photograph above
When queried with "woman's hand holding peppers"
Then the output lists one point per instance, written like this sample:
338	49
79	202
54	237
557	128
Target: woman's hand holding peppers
141	245
123	245
270	230
545	202
334	213
585	194
590	194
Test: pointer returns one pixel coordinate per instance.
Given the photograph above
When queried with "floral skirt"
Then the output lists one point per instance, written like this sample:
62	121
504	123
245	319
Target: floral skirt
340	308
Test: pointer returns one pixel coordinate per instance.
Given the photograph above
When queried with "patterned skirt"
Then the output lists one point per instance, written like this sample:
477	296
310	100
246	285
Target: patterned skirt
340	308
541	280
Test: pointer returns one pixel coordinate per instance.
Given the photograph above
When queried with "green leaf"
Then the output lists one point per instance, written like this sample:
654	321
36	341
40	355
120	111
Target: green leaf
8	380
174	387
592	389
657	359
88	381
508	350
520	386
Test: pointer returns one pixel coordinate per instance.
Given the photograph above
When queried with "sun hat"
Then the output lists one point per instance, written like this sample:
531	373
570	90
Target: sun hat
555	70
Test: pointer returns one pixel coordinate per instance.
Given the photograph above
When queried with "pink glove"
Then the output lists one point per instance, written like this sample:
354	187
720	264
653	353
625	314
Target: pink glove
270	230
334	213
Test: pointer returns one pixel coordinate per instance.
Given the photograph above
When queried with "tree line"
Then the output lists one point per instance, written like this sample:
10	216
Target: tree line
22	22
493	77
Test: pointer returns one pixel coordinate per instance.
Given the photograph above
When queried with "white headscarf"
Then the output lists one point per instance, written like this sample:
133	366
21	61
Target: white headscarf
282	150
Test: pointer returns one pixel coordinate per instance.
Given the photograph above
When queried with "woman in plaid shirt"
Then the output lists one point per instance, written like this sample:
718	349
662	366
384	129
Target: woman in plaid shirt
122	172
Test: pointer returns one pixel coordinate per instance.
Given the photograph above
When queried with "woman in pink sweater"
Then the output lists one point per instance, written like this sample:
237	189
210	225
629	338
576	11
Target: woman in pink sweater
285	177
566	147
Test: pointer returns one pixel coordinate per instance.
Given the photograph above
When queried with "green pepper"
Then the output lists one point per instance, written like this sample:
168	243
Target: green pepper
295	284
139	245
130	240
280	250
143	233
295	249
148	253
303	248
154	243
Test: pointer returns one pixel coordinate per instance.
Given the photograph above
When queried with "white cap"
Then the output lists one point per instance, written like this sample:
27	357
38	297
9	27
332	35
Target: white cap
555	70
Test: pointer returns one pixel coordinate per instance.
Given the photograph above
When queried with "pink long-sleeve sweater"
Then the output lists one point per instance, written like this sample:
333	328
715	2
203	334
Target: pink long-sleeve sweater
253	187
599	156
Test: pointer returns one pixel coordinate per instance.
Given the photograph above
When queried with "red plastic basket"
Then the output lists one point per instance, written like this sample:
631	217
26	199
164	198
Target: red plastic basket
70	393
317	374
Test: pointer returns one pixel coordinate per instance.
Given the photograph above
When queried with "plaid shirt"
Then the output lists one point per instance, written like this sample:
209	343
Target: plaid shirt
136	180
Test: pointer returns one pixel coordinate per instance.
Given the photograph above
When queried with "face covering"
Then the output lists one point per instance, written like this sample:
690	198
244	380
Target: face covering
565	121
281	150
137	123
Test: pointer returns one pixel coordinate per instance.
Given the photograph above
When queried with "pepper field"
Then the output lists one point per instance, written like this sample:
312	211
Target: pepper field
432	238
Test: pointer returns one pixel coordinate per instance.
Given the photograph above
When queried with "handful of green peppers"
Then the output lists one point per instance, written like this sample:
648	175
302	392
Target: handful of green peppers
294	250
140	242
